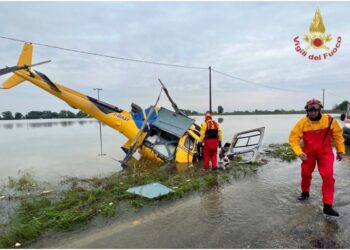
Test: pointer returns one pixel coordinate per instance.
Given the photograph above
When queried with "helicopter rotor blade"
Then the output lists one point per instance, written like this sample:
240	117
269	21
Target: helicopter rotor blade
173	104
7	70
132	148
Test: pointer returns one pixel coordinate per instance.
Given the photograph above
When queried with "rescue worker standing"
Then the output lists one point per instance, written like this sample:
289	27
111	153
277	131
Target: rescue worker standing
316	130
211	136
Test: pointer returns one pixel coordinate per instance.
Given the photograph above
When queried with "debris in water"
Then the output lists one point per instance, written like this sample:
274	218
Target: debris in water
46	191
136	222
2	197
17	244
151	191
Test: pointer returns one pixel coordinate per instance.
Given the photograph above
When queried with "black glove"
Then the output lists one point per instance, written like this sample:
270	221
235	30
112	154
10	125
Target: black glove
199	144
219	144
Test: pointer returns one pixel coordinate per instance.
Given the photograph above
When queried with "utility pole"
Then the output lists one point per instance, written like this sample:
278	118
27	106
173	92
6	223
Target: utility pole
99	122
323	100
210	110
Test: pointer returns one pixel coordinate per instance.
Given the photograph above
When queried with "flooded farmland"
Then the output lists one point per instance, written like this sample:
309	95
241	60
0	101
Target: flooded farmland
259	210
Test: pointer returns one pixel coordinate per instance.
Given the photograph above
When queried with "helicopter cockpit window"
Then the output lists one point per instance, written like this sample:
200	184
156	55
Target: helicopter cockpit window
189	143
165	133
162	143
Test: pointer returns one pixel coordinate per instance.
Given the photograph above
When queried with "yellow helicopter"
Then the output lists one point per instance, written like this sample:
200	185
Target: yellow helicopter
156	132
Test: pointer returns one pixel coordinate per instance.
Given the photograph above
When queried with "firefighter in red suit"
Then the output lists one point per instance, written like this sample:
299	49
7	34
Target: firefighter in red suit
317	130
211	137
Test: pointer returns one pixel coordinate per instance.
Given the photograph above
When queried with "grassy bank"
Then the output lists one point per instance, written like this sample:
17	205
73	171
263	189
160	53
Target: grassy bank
281	151
87	198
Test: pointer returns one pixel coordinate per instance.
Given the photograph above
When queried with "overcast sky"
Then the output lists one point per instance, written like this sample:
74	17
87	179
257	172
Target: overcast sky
248	40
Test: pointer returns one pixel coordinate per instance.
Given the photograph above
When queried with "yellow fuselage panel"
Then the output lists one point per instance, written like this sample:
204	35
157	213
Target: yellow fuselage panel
122	122
149	154
183	153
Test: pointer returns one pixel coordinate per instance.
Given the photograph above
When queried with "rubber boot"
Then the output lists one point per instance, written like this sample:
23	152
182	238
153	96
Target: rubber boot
328	209
304	196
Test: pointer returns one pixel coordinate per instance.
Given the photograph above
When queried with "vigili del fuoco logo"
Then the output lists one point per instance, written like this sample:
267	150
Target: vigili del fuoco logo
318	40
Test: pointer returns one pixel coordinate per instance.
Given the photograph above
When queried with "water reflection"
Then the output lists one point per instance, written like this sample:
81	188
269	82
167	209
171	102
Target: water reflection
45	124
84	122
212	204
8	126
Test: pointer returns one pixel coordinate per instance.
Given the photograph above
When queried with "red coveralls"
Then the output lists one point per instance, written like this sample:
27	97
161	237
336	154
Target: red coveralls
210	134
318	148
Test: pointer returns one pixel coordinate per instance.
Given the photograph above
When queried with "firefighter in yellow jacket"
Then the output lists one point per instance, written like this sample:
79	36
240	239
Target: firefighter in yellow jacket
211	136
316	130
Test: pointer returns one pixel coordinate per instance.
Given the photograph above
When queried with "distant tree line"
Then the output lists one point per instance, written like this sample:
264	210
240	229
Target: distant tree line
265	112
190	112
7	115
341	107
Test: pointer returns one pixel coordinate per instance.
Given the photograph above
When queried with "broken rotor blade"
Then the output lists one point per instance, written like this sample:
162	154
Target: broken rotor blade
174	105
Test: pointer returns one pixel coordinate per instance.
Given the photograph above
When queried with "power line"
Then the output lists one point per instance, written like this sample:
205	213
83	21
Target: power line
329	92
107	56
254	83
154	63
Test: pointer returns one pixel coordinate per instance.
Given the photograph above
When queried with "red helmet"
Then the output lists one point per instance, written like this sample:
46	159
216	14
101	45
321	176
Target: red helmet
208	116
313	103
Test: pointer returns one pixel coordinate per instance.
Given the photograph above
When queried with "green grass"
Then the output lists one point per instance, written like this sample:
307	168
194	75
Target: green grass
281	151
26	182
87	198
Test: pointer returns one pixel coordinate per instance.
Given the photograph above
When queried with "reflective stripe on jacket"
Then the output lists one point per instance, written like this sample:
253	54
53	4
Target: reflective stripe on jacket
313	134
210	129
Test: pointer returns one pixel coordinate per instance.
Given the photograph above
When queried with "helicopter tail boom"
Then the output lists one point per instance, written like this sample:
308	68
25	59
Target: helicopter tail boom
110	115
24	60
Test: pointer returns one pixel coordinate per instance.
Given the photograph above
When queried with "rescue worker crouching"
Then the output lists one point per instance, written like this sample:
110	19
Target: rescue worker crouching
316	130
211	137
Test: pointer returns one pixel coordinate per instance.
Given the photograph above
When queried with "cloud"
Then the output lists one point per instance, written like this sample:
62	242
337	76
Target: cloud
249	40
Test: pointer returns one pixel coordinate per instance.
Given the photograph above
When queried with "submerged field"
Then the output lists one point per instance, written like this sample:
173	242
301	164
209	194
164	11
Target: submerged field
83	199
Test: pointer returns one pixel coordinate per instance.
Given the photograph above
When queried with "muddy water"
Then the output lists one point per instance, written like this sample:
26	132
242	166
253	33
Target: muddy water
52	149
257	211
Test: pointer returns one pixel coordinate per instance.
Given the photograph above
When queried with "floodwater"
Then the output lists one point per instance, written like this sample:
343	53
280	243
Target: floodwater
257	211
52	149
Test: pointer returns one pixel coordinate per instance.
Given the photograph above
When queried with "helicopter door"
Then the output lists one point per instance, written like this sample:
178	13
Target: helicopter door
185	149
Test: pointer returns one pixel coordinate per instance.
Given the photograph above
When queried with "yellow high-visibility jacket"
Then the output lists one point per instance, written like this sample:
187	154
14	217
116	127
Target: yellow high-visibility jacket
212	125
315	137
